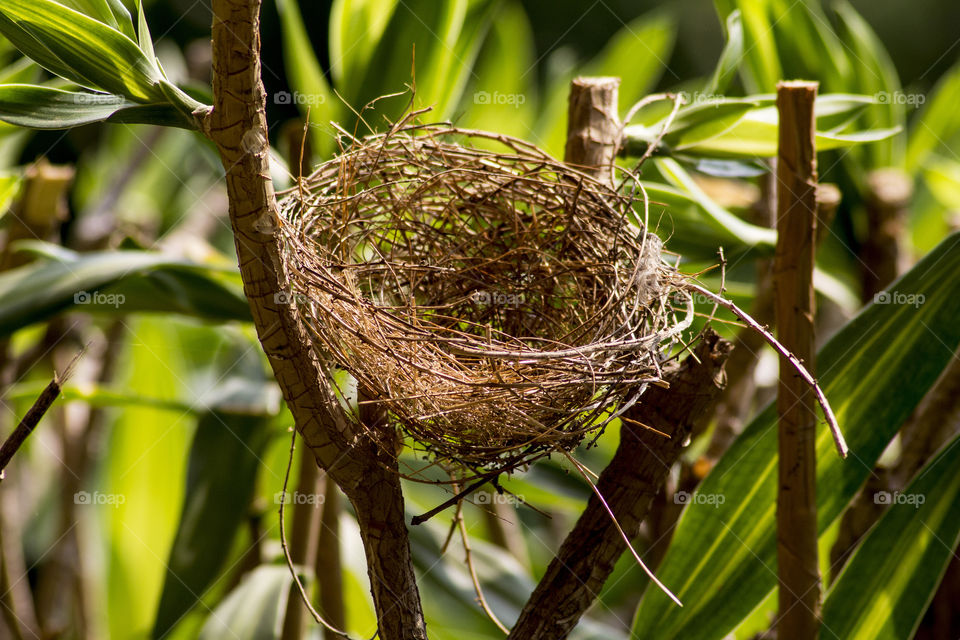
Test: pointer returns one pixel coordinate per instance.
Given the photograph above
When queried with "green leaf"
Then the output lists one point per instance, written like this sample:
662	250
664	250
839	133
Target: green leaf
503	96
114	281
889	581
110	12
643	46
310	86
446	38
221	478
356	26
934	128
143	35
873	73
874	371
761	62
80	48
254	610
39	107
730	57
737	230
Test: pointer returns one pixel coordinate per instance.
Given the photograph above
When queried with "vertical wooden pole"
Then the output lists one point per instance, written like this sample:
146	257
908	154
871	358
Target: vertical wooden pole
798	569
593	127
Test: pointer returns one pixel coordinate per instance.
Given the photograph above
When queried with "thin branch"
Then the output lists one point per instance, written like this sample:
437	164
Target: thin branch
35	414
828	414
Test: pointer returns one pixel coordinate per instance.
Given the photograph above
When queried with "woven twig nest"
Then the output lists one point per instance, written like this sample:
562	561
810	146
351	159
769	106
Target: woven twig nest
496	305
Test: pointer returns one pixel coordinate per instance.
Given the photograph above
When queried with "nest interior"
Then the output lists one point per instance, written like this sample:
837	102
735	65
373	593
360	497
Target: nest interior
496	304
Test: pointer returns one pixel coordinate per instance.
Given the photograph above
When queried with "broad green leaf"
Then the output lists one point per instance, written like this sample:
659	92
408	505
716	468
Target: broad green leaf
147	449
874	371
936	126
755	135
39	107
253	610
801	28
747	127
221	478
110	12
942	177
82	49
114	281
310	87
694	124
889	581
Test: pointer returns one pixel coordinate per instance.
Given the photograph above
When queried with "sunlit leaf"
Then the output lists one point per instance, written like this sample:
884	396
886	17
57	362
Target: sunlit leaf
888	583
80	48
874	371
48	108
254	610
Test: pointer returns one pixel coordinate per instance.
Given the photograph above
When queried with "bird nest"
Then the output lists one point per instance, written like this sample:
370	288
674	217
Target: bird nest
493	305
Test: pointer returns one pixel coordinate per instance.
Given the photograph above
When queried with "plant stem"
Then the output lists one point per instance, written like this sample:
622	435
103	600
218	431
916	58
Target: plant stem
798	569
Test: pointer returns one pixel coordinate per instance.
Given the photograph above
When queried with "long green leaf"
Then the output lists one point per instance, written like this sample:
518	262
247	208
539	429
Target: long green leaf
730	57
937	124
356	27
92	53
110	12
116	281
221	478
889	581
254	610
310	87
39	107
874	371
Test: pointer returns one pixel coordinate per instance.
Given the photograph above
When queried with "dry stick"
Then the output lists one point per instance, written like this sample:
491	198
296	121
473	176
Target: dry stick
286	552
626	540
795	362
35	414
798	569
461	523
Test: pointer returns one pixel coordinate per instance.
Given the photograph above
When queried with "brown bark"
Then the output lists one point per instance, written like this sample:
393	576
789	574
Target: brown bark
882	256
798	570
593	127
635	475
365	472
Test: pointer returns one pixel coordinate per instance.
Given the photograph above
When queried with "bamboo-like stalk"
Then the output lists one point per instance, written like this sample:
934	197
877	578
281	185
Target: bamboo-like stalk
798	569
